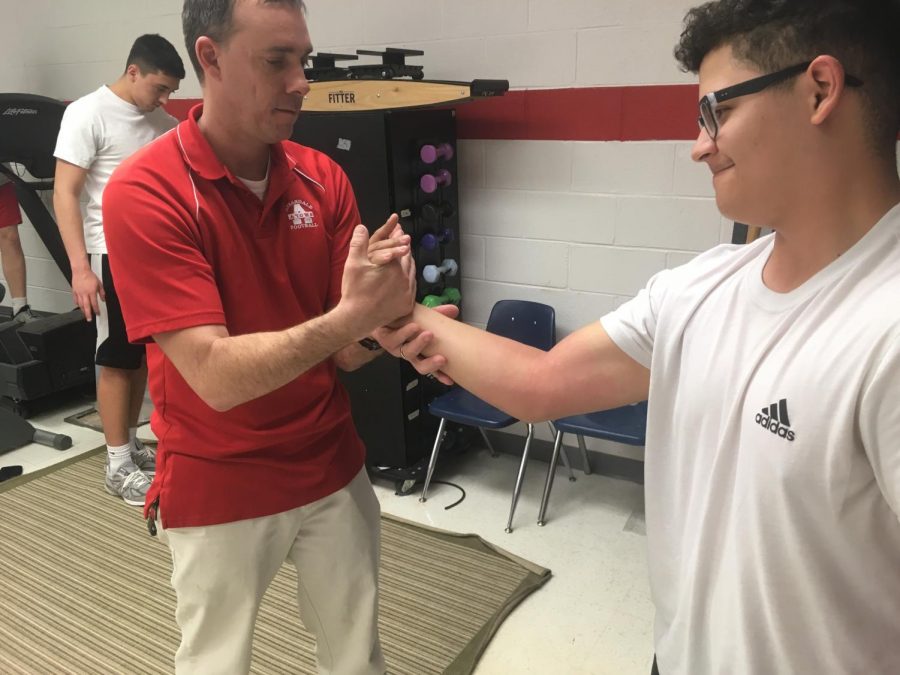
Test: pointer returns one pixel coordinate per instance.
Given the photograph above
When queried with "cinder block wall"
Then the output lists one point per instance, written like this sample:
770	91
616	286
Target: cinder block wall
579	224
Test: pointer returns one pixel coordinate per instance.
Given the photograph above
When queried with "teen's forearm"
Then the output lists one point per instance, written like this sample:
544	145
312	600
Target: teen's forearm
505	373
71	228
584	372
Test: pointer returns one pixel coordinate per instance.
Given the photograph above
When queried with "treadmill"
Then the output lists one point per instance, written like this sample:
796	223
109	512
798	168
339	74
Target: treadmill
47	359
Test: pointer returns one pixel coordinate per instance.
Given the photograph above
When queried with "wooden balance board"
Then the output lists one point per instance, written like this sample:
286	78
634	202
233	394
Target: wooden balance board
366	95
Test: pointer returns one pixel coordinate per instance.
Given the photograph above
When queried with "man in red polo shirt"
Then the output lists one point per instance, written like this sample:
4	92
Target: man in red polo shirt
239	257
12	258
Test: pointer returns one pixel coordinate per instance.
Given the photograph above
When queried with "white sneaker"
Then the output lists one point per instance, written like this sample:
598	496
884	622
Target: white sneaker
24	315
129	483
145	457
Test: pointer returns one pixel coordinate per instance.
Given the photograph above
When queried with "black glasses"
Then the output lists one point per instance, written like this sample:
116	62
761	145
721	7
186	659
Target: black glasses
708	119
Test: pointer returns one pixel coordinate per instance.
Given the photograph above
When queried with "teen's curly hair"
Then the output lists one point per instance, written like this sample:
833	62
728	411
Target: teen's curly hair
864	35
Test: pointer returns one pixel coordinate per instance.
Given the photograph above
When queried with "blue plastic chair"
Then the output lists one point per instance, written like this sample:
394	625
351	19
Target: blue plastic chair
529	322
627	424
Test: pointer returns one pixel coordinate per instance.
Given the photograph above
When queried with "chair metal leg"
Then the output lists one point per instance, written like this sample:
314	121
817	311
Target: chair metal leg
584	455
520	477
433	461
551	474
565	454
488	441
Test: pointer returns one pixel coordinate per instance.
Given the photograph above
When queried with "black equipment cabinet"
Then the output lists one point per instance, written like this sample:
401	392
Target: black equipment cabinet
398	162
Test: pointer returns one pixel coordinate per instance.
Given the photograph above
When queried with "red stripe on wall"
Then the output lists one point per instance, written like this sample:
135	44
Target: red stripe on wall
646	113
666	112
179	107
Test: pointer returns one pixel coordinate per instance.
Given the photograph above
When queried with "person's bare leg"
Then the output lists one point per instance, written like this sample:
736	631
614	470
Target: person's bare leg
124	477
114	404
13	261
144	456
138	388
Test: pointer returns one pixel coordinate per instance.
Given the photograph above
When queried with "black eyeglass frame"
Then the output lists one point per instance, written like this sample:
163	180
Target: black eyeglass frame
708	103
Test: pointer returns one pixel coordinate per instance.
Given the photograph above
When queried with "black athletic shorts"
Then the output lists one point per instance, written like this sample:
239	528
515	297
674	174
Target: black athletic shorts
113	348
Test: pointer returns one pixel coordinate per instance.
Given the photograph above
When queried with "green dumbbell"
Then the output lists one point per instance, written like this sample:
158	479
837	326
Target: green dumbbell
450	296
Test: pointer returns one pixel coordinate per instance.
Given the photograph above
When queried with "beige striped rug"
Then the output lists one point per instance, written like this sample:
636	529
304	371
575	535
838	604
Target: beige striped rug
84	589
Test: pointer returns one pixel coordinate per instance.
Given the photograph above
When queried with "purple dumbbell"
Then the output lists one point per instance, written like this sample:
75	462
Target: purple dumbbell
432	153
430	182
430	241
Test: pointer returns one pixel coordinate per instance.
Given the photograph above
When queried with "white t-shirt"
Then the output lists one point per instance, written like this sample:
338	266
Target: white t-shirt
97	133
773	461
258	187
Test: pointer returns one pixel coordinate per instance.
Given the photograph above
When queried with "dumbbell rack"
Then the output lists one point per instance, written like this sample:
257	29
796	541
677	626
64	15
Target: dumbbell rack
400	157
379	151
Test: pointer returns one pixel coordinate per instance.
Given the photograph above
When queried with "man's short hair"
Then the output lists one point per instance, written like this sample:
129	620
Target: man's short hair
773	34
153	53
214	19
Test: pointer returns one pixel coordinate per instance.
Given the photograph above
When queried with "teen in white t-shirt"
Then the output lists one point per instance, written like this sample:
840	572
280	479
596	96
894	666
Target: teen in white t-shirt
773	473
772	370
97	133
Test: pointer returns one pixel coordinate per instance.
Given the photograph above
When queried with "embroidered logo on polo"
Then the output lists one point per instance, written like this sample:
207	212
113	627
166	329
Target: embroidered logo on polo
302	215
774	417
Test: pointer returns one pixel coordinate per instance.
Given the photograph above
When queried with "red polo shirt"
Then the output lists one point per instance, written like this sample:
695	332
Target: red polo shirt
190	245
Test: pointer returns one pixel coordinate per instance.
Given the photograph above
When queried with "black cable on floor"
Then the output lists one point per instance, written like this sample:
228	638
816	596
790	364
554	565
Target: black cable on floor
458	501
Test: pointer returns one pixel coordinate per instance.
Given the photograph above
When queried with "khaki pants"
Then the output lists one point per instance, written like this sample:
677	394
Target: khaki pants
220	574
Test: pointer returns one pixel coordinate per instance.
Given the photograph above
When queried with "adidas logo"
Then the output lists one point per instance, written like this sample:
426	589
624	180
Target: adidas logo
775	418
